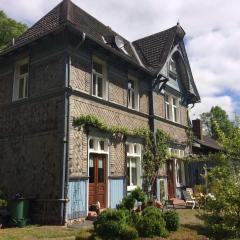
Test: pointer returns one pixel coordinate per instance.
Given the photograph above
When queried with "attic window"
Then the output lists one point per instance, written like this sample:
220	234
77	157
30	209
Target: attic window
172	68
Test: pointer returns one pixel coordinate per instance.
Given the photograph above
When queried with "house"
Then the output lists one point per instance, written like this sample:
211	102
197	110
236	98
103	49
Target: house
202	145
67	65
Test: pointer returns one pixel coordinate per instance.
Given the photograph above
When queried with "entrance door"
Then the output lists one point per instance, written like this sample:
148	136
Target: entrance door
97	180
170	174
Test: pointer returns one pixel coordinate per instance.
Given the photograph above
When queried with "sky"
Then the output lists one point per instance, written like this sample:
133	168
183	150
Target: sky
212	36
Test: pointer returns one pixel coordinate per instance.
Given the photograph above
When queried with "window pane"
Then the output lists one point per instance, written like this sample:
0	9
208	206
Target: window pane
175	115
91	171
91	144
94	85
101	145
23	69
134	172
167	111
133	100
127	148
97	67
129	98
128	173
100	171
100	90
21	89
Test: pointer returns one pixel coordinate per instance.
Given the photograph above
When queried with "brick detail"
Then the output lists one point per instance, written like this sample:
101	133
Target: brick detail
177	134
117	159
143	101
184	116
159	105
117	92
80	75
6	86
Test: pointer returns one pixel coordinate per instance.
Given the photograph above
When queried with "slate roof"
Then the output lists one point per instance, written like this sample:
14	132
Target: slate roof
208	142
68	13
154	49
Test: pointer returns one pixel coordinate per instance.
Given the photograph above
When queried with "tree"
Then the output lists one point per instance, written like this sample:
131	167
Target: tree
155	154
9	29
220	116
223	205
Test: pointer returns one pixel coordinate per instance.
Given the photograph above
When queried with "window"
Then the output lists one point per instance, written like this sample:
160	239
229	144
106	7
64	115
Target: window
133	93
167	107
20	85
98	145
172	110
133	166
99	78
172	68
175	109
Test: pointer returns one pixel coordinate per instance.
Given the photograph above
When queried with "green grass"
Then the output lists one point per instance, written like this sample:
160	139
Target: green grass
191	228
36	232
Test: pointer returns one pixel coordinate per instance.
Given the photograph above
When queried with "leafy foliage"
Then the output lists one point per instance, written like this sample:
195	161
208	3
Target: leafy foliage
155	154
9	29
218	115
222	206
172	220
152	223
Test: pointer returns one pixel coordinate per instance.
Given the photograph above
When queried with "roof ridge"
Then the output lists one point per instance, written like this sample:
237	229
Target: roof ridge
64	12
154	34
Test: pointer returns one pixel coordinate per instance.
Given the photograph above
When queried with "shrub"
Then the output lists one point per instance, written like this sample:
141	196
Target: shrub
172	220
139	194
128	233
151	223
110	223
127	202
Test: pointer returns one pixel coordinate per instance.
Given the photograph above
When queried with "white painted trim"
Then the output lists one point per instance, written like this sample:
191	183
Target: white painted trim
136	54
108	166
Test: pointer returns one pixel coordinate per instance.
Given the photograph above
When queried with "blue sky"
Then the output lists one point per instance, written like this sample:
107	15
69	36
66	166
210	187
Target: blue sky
212	34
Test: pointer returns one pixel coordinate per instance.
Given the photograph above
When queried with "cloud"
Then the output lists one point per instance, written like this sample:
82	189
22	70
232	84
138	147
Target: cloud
225	102
212	27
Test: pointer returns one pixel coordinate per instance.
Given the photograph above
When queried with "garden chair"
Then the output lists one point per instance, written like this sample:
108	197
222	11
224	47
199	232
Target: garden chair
189	199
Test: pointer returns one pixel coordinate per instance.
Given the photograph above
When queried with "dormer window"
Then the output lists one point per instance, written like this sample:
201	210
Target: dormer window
172	68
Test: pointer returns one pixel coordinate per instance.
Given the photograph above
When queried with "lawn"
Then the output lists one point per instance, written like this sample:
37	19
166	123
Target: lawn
191	229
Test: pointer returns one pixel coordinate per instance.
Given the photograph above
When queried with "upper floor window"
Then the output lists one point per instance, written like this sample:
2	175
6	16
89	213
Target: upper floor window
172	110
20	84
172	68
175	109
167	107
99	78
133	97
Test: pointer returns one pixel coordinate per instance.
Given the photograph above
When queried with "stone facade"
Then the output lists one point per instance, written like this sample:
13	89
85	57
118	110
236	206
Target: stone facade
31	135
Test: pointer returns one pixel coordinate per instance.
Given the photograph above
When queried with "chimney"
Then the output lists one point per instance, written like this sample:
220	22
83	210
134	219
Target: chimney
197	128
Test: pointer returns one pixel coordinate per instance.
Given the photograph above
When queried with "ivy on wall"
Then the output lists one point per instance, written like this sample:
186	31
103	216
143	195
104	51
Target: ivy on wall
155	147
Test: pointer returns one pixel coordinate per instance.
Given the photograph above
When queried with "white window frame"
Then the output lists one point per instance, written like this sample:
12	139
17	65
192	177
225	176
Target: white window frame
131	154
17	78
133	91
98	75
167	107
175	117
172	68
96	145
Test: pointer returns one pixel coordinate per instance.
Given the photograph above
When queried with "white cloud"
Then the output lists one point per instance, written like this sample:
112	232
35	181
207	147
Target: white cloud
225	102
212	27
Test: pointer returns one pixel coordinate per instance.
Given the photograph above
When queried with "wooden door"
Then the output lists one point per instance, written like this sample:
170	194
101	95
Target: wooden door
97	180
170	175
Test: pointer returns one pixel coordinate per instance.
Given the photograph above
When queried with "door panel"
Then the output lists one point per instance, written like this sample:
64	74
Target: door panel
171	187
97	180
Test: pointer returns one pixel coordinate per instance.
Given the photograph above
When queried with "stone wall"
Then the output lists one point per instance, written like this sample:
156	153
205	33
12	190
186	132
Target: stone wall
178	134
31	135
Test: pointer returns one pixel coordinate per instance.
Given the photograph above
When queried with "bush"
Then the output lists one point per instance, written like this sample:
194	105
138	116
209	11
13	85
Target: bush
128	233
110	223
172	220
139	195
128	203
152	223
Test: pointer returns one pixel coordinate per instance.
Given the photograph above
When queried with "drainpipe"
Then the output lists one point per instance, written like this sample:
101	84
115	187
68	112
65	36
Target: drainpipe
66	133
